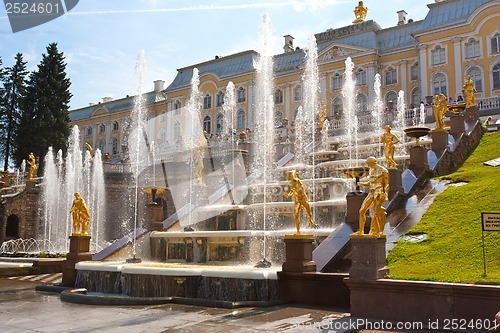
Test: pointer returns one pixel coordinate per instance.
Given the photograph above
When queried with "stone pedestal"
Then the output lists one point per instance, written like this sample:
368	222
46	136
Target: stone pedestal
457	125
298	257
368	258
154	216
439	139
79	250
418	160
471	114
31	184
395	182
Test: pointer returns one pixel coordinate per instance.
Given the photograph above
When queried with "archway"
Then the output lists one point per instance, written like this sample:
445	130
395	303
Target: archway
12	227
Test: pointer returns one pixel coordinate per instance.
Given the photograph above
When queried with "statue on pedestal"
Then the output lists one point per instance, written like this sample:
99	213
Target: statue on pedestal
469	90
33	167
297	189
360	13
440	108
389	140
81	216
378	183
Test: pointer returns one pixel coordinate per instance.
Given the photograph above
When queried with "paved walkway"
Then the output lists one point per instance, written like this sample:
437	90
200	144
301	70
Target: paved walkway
22	309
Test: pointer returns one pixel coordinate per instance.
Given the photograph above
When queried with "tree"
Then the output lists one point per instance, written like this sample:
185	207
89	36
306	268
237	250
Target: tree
14	83
45	118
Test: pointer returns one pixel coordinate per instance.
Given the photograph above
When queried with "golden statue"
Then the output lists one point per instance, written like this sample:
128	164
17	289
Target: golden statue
297	189
469	90
33	167
199	152
360	13
440	108
322	114
89	148
389	140
81	216
378	183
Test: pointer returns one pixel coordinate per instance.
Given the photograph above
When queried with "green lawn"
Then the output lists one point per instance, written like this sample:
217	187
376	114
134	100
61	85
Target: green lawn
453	251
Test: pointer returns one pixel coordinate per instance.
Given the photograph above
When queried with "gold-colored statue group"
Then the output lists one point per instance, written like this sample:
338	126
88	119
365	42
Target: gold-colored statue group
81	216
298	191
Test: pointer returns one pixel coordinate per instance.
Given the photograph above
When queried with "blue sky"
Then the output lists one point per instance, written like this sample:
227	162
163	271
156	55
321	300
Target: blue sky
101	39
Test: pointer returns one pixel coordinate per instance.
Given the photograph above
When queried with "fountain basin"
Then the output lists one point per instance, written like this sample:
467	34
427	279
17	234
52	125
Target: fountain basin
417	133
219	285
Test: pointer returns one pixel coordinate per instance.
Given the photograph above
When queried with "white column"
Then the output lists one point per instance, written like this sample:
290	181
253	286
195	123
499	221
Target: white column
322	84
458	67
107	144
250	108
422	62
370	81
403	64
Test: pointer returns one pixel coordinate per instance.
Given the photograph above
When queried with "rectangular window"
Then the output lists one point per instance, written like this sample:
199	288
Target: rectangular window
414	72
337	82
438	56
472	50
495	44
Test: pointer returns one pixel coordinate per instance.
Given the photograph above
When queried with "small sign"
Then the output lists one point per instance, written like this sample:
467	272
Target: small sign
491	221
495	162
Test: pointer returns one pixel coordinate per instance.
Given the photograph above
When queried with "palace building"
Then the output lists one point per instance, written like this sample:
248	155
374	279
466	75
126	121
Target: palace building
457	38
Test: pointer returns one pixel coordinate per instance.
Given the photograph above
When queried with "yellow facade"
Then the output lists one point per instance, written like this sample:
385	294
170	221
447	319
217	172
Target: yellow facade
418	58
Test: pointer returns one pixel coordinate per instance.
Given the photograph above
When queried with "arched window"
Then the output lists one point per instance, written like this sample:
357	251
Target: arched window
278	96
337	81
391	76
220	98
337	108
362	104
102	129
438	56
472	49
439	85
207	124
415	97
163	116
177	107
101	146
278	118
177	131
241	95
207	101
495	44
116	126
89	131
414	71
297	93
360	78
476	77
114	145
495	73
241	120
219	123
391	100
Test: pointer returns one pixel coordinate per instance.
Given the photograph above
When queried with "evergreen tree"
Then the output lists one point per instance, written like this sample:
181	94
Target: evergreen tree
14	91
45	118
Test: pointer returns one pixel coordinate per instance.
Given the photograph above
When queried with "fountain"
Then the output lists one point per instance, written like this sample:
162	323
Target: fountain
230	216
62	178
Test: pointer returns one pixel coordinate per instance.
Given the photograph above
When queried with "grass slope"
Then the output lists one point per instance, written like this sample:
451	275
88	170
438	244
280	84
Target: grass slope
453	251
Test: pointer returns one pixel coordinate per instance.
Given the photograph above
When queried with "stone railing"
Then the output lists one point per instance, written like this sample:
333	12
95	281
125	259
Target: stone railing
488	103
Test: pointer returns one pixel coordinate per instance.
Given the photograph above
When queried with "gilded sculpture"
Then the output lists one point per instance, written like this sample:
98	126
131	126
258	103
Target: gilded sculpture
440	108
298	191
33	167
378	183
469	90
322	114
199	152
81	216
360	13
389	140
